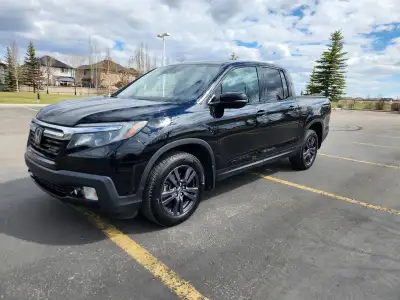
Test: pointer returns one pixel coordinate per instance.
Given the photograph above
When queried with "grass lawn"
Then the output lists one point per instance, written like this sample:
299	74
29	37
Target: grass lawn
346	104
31	98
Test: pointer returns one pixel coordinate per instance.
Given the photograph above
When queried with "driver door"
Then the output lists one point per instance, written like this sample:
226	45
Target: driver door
236	130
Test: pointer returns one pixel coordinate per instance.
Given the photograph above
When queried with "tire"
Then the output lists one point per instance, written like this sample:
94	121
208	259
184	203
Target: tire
162	185
301	160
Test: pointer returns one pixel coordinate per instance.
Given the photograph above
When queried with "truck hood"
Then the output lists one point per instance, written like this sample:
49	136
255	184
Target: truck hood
102	109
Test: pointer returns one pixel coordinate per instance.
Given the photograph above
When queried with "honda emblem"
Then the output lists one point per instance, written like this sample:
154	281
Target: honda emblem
37	138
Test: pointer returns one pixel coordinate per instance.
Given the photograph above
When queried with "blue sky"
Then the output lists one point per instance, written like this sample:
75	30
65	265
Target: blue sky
280	31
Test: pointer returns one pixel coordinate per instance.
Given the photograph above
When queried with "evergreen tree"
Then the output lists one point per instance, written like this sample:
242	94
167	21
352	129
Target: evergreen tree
32	72
10	79
313	87
330	69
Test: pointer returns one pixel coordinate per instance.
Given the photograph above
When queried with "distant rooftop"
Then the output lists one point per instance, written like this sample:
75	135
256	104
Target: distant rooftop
55	63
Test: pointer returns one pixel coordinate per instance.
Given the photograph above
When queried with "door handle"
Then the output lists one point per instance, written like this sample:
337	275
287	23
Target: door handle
260	113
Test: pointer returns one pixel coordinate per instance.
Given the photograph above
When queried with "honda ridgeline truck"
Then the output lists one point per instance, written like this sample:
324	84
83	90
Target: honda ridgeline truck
156	144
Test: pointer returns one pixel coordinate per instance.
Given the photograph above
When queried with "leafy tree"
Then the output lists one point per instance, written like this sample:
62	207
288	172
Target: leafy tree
10	79
233	56
329	75
32	72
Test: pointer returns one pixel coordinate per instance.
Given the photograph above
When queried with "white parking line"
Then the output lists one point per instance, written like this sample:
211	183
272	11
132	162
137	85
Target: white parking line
29	108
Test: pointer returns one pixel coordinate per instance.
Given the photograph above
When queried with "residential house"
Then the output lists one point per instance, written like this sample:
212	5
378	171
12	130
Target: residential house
104	74
3	68
55	72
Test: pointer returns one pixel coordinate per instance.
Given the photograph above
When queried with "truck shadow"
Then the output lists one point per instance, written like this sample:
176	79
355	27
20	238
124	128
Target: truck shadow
27	213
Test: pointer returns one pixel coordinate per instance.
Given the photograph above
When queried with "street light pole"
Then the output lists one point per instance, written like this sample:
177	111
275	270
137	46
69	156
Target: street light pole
163	35
163	56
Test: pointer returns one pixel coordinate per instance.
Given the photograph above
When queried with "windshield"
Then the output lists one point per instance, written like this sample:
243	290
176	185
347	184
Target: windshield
176	83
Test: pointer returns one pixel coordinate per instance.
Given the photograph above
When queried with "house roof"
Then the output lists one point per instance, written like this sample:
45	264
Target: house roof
2	62
54	62
114	67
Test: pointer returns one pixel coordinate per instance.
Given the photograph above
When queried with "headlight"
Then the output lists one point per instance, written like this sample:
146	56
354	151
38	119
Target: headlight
100	136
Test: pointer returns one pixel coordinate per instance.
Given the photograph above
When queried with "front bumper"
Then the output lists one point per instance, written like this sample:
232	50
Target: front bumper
58	183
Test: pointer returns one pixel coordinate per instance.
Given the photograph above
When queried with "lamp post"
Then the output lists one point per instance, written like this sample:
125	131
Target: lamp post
163	35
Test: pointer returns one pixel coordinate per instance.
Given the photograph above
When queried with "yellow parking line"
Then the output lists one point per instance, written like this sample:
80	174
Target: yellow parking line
183	289
360	161
374	145
346	199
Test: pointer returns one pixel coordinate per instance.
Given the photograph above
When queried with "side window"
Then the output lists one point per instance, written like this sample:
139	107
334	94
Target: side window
273	84
243	80
285	86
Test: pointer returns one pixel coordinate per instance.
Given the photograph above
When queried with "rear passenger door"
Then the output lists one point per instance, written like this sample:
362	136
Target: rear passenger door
282	116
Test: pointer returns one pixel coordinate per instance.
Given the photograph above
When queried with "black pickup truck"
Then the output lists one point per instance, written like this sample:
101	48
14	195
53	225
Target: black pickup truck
156	144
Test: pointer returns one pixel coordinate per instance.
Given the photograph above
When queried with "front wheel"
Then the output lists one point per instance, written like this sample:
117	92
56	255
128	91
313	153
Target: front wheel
307	154
174	188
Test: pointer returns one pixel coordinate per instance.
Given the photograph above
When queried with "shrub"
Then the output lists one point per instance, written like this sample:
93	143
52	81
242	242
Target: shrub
339	105
368	105
379	105
395	106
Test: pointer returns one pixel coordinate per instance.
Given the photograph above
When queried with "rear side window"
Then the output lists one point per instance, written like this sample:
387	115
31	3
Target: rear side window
285	86
244	80
273	84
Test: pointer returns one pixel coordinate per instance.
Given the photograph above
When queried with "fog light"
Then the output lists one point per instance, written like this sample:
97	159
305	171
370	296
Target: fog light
89	193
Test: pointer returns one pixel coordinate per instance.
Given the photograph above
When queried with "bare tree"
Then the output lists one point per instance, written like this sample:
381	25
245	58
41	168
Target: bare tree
48	70
107	67
147	59
75	61
139	61
94	66
90	59
154	63
126	73
15	58
142	59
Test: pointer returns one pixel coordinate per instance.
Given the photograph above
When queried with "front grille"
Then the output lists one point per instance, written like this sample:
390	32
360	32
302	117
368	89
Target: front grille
48	147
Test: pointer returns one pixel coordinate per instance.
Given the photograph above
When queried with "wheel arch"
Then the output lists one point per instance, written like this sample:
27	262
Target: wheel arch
198	147
317	126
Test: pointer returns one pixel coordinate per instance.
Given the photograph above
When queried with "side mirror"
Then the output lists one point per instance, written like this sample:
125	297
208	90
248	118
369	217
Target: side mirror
232	100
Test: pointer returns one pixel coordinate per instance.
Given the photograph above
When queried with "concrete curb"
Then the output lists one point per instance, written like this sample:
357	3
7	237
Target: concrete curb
22	105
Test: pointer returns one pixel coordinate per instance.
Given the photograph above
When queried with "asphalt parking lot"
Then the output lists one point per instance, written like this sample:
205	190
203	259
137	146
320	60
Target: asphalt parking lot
331	232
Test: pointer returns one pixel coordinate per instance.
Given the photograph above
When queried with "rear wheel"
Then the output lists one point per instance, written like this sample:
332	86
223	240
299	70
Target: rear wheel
307	154
173	189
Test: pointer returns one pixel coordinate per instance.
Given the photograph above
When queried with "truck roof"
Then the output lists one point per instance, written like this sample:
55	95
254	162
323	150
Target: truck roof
232	63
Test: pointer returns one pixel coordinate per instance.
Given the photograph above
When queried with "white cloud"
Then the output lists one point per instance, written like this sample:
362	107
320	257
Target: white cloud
207	29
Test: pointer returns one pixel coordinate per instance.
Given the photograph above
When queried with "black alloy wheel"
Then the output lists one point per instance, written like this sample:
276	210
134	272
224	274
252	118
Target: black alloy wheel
304	158
310	150
174	188
180	190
